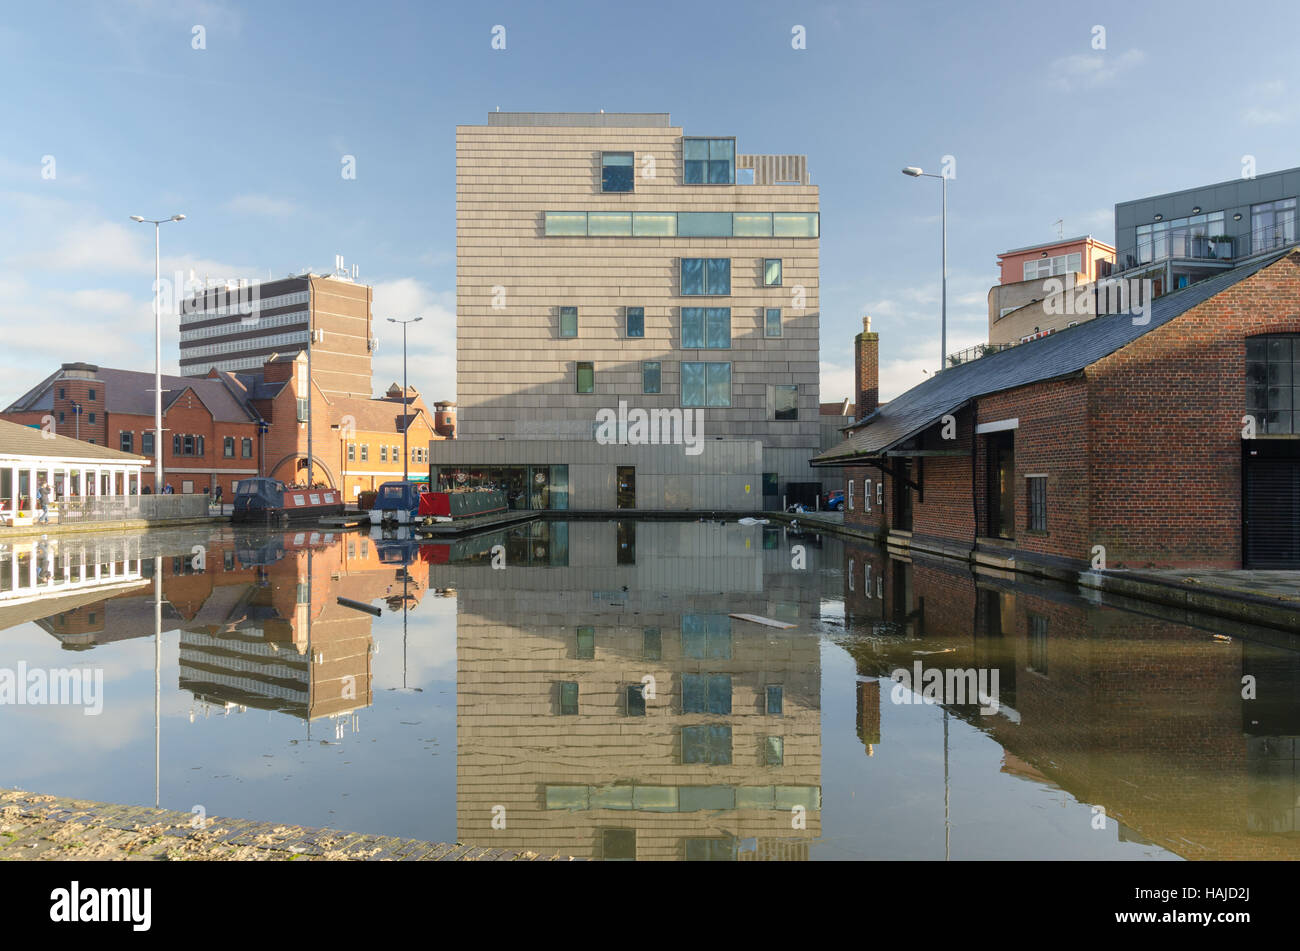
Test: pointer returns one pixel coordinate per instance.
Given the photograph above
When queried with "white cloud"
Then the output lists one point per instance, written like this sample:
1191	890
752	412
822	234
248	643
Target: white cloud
1092	70
260	205
430	344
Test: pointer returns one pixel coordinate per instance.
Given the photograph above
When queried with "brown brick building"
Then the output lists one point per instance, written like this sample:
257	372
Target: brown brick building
1164	442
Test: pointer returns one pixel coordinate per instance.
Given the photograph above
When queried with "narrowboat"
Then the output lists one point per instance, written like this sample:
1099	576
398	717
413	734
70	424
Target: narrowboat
270	500
408	503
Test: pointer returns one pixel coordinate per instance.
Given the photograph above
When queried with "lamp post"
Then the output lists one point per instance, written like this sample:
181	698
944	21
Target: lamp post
157	349
915	172
76	415
406	419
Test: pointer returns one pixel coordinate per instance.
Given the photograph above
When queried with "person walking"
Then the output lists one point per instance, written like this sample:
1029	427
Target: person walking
42	499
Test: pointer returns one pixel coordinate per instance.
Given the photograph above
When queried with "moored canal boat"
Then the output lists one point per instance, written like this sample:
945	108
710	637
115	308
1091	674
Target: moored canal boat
270	500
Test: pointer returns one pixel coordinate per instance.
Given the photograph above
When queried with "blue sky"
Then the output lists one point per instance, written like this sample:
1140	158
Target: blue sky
246	138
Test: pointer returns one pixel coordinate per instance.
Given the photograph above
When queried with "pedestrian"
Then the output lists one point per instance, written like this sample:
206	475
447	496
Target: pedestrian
218	494
40	502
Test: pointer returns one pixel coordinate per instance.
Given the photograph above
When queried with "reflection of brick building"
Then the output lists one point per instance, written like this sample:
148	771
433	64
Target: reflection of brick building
552	719
1139	714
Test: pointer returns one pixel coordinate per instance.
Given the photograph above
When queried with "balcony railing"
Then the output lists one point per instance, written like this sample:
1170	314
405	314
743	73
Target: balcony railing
1188	245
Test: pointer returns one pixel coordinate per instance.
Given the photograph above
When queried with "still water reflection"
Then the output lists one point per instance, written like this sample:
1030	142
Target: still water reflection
598	698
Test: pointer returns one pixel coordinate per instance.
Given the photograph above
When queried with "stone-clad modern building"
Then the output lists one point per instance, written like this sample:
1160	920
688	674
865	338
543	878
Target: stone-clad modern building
607	258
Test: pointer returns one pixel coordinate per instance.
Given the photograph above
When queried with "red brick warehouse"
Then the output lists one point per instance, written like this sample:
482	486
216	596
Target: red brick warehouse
1166	443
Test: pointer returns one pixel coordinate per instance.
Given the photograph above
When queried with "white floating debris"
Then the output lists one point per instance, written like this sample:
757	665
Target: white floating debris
762	620
747	520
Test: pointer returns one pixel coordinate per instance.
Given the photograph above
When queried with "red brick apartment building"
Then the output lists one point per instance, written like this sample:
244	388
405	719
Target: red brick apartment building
228	426
1173	442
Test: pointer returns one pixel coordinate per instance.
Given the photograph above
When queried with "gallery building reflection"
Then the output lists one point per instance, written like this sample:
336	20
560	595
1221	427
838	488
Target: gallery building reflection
611	707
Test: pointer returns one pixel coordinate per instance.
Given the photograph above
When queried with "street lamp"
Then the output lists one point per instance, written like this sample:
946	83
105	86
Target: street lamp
157	350
406	419
76	414
915	172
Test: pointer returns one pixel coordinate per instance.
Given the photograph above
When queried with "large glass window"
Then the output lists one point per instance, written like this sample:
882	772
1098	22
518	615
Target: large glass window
706	276
616	171
706	384
566	223
650	376
586	377
785	401
706	693
606	224
706	328
706	744
654	224
752	224
635	321
1059	264
704	224
709	161
1273	383
791	224
1272	224
1179	238
568	321
706	636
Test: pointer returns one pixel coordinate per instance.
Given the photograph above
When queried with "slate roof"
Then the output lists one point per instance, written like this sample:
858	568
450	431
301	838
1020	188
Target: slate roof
1060	354
18	440
131	392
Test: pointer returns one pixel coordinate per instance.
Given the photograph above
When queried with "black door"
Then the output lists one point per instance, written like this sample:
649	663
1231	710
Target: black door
903	495
1002	484
1270	504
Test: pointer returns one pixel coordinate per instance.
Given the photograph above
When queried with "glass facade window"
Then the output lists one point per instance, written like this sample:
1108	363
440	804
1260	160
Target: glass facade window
752	224
617	171
586	377
772	272
635	317
650	376
788	224
1273	383
1272	224
772	322
609	224
785	401
706	693
1180	238
654	224
568	321
706	276
704	224
706	384
709	161
706	328
566	223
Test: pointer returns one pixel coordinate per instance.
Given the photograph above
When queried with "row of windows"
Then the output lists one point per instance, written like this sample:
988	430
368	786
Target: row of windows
249	323
240	363
387	453
126	442
682	224
245	448
702	328
90	394
702	385
701	693
196	308
233	346
1060	264
90	417
704	162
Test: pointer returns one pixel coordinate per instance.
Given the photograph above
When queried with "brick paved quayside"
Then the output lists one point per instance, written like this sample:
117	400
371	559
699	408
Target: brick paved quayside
34	826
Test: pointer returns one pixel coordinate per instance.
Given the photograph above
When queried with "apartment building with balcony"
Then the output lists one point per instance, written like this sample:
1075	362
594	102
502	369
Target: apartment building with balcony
1031	274
611	263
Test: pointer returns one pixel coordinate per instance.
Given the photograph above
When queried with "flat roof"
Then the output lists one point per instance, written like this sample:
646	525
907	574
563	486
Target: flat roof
625	120
1201	188
1053	244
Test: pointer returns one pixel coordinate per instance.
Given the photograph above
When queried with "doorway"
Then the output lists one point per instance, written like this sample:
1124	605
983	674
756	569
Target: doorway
1270	508
625	493
1001	494
903	495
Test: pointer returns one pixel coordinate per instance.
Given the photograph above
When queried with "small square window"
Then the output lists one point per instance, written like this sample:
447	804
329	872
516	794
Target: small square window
744	176
772	272
586	377
635	321
618	845
636	700
569	698
586	644
568	321
617	171
650	376
772	322
775	699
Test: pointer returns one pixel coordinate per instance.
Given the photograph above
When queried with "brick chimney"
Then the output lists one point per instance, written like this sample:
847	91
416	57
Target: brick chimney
866	353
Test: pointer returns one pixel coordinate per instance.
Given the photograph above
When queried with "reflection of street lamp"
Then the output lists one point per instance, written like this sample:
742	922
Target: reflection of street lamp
157	344
915	172
406	419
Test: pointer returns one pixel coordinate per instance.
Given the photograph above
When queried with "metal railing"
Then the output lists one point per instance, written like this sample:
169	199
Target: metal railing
122	507
1194	245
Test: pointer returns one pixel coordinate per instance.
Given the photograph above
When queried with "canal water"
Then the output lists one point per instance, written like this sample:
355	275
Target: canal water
587	688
